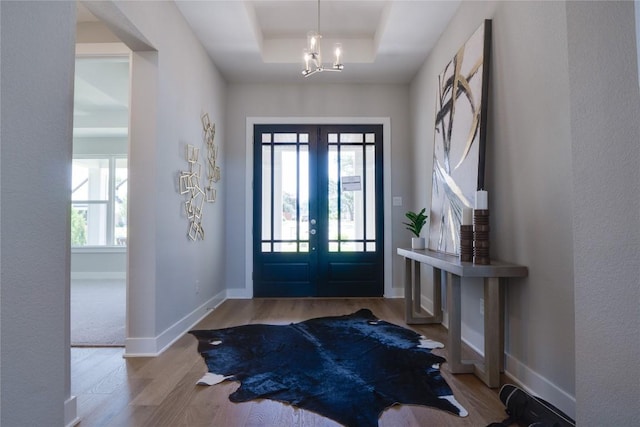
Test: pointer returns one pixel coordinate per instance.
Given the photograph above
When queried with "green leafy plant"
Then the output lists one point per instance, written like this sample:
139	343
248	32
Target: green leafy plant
417	221
78	228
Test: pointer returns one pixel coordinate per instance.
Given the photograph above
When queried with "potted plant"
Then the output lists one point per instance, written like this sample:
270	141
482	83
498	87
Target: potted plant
415	224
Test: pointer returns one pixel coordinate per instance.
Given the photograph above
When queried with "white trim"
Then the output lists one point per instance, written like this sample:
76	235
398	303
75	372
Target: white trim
539	385
154	346
101	132
389	291
425	302
469	336
238	294
393	292
98	275
71	412
140	347
472	338
98	249
248	194
427	305
102	49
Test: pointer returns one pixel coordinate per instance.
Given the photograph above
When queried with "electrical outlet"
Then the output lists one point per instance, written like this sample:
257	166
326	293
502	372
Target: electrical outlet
481	306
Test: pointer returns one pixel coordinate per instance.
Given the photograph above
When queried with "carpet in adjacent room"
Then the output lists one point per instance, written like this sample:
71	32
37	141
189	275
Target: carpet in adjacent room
98	312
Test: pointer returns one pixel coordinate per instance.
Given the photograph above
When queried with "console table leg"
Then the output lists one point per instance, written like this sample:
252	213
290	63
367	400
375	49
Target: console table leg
412	295
417	292
408	293
493	330
437	294
455	327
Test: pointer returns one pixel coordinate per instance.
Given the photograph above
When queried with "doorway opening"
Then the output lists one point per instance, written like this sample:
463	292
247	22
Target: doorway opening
99	200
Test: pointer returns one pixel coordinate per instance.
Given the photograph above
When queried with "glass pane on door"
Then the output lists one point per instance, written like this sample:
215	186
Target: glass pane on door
285	192
351	192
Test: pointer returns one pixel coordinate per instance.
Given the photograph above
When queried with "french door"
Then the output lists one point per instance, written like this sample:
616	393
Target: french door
318	211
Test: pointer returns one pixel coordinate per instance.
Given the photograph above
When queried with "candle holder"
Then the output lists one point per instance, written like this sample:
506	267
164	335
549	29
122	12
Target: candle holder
466	243
481	237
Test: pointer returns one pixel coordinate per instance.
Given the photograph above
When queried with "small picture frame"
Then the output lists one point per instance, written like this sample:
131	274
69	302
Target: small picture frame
211	194
206	122
192	153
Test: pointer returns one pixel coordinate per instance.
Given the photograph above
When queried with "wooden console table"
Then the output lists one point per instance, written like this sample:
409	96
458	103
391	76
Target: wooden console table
455	272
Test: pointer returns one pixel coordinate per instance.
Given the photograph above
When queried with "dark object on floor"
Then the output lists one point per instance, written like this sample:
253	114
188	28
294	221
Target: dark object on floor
347	368
527	410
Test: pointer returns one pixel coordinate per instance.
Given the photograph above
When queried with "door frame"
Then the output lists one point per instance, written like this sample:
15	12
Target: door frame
247	292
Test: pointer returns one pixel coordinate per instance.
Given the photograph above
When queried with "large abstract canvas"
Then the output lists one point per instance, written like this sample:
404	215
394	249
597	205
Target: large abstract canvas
459	139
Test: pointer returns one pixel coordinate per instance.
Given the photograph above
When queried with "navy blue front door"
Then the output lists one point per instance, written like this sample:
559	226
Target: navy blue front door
318	211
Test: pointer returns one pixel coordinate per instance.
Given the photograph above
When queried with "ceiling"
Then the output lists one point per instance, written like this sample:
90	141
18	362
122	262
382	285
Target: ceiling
101	96
384	41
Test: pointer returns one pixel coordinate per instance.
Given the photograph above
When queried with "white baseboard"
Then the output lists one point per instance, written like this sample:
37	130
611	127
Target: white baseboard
394	293
473	339
71	412
538	385
154	346
469	336
428	302
239	293
98	275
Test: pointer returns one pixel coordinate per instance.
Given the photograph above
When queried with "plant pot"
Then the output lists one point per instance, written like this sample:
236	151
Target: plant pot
417	243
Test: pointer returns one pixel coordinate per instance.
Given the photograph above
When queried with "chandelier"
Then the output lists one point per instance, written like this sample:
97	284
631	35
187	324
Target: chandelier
312	56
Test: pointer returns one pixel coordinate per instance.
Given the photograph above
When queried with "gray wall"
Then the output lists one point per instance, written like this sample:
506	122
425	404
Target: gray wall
312	100
547	201
108	264
637	7
528	116
36	110
172	281
605	136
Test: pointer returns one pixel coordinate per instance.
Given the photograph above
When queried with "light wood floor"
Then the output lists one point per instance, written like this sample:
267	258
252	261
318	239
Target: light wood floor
161	391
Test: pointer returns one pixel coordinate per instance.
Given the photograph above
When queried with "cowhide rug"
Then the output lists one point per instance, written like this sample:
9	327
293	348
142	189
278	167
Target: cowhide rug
348	368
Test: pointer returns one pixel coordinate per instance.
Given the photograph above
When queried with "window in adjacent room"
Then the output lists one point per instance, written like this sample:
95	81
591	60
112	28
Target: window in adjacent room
99	201
100	139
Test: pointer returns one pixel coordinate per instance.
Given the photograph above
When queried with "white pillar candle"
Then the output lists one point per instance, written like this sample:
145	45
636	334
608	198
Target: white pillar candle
467	216
482	199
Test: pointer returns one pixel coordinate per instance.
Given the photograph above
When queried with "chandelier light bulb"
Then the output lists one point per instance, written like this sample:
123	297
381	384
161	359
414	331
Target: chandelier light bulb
313	41
337	50
306	57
